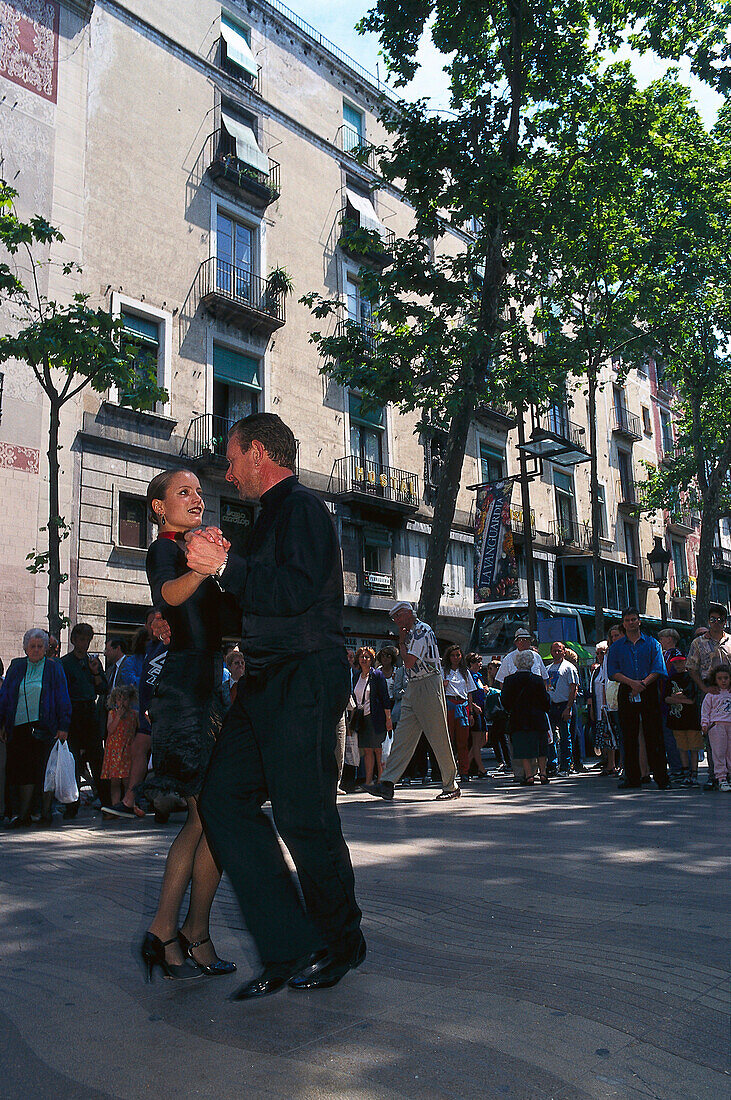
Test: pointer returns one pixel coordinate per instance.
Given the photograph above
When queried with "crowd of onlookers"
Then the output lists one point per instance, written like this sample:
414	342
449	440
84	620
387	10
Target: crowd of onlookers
644	710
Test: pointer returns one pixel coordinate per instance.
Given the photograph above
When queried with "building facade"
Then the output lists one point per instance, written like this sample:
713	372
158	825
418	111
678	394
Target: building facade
198	158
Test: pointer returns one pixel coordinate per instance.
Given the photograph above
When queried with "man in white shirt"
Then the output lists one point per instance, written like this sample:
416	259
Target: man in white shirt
423	707
507	665
563	685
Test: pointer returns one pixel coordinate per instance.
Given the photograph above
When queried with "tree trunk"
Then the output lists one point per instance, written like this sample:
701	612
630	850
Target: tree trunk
450	476
54	530
709	525
596	561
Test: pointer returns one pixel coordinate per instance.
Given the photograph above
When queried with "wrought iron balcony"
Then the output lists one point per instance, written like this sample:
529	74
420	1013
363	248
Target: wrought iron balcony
260	188
207	438
571	533
237	295
670	453
366	330
626	495
363	152
500	415
683	590
680	522
626	424
362	481
722	558
373	246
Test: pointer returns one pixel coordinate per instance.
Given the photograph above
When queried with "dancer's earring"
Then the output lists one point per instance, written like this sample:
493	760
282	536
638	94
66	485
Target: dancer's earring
162	520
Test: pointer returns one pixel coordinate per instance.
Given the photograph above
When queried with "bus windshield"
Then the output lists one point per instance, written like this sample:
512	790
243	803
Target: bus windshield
494	631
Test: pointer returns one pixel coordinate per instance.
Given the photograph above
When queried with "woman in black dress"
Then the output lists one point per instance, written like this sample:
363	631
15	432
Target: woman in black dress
185	716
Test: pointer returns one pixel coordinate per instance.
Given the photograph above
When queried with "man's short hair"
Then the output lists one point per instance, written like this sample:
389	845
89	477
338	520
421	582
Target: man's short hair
630	611
116	642
82	628
270	430
718	609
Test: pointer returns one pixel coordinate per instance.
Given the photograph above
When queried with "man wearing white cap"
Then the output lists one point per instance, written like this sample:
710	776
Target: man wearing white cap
423	707
507	665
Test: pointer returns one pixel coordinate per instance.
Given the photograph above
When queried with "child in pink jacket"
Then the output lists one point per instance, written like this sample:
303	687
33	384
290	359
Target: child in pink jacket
716	722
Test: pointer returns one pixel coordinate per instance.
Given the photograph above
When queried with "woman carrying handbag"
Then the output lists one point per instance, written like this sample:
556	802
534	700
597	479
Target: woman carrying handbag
371	712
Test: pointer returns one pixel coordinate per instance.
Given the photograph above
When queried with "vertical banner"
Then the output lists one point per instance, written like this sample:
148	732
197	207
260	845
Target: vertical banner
496	572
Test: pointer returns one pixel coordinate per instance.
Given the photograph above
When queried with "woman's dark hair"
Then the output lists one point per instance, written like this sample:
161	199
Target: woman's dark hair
472	657
157	490
365	651
388	651
270	430
447	663
714	673
139	642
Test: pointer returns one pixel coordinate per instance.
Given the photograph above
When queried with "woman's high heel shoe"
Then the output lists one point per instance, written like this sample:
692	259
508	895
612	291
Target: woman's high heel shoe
153	954
220	966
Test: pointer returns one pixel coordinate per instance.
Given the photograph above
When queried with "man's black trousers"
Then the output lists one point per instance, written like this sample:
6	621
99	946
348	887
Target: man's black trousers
278	742
648	709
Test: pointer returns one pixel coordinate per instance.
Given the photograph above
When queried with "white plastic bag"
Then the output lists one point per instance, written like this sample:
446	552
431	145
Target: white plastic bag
61	774
386	747
352	752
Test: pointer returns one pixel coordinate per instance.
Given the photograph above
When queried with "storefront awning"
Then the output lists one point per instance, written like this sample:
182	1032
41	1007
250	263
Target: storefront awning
247	149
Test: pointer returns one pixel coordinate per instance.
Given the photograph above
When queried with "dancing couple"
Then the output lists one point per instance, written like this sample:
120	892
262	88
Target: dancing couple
289	593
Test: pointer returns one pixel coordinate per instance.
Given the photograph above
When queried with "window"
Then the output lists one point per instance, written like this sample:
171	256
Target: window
603	523
680	563
237	57
626	477
565	513
646	420
377	559
492	463
236	389
239	140
360	309
631	545
235	257
435	446
366	431
620	403
540	576
666	427
360	211
353	128
141	337
132	522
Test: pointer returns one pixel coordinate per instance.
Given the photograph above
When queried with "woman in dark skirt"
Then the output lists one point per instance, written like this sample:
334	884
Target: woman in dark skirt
373	705
185	716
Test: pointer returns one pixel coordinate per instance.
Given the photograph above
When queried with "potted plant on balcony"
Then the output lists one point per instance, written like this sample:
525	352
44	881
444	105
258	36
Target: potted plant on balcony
278	286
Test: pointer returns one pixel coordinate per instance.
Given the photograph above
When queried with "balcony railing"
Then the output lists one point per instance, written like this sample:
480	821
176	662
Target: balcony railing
571	533
360	479
364	152
626	424
207	438
261	188
366	330
235	294
722	557
681	523
626	494
557	423
502	415
644	572
682	591
376	249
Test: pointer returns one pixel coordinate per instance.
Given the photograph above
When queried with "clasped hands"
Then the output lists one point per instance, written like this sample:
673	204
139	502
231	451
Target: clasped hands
206	550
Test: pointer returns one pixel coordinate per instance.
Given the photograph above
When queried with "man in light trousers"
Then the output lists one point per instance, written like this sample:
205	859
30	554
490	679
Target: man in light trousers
423	707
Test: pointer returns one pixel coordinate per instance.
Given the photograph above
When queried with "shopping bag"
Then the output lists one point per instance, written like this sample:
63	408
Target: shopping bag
352	752
386	747
61	774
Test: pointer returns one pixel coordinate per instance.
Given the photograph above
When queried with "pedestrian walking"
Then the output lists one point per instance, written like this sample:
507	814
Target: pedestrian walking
423	706
122	725
458	689
85	679
563	685
478	724
708	651
289	586
526	701
371	712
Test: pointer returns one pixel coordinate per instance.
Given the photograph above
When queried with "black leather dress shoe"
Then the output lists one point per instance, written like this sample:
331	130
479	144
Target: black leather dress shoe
276	975
331	969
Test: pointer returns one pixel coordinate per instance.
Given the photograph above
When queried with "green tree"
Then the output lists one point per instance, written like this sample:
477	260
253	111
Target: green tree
67	347
690	315
444	344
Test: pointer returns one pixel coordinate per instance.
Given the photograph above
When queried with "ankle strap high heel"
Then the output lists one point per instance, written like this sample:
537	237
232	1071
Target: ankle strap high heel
153	954
216	969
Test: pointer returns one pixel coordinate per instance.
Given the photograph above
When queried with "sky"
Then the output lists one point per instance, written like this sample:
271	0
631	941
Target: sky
336	21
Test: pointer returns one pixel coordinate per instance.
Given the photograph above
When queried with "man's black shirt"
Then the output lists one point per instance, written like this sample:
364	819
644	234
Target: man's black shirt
290	583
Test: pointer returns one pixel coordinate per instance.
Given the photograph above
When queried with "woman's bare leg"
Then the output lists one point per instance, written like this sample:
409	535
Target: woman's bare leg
369	760
379	764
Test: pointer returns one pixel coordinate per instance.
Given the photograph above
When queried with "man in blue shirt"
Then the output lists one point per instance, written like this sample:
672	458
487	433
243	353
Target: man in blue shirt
636	663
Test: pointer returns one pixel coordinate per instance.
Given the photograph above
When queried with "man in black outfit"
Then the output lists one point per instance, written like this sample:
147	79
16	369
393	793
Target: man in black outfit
290	590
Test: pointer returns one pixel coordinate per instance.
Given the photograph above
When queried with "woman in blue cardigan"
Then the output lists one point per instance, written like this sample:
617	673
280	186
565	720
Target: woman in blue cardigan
35	711
372	710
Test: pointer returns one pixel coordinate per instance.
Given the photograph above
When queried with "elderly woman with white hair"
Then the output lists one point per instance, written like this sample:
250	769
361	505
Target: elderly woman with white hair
606	732
35	711
525	698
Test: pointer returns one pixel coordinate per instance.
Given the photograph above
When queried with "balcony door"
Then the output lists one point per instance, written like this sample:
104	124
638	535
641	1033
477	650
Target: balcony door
236	391
366	433
235	257
360	308
563	485
626	477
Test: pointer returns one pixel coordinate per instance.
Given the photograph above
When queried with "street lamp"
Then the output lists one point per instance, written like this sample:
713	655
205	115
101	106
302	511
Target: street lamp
659	560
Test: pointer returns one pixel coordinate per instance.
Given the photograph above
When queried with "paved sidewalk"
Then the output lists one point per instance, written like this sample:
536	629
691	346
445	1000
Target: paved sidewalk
558	942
